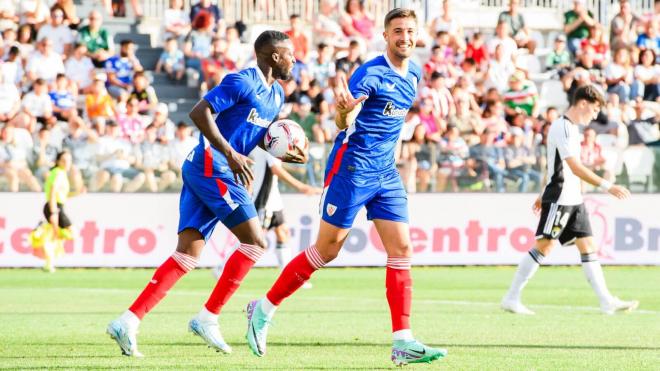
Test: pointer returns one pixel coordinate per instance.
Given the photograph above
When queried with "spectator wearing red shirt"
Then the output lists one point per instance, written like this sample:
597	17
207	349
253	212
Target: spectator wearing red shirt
591	154
476	50
597	41
216	65
300	45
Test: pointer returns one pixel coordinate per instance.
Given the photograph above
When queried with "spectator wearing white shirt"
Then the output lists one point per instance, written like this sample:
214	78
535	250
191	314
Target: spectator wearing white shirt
509	46
17	153
44	63
80	69
176	22
116	157
58	32
12	68
10	101
181	146
499	70
153	161
38	106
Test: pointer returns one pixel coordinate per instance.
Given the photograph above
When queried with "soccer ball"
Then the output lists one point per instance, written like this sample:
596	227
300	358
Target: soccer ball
282	136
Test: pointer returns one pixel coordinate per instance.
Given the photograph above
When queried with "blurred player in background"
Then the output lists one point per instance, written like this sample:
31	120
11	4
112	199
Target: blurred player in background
361	173
216	174
563	214
268	201
48	239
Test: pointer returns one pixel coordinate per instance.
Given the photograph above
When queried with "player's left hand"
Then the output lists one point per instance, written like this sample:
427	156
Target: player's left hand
311	191
537	205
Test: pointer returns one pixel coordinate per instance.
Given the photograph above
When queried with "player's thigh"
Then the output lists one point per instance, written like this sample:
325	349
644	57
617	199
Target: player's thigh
395	237
330	240
250	232
196	223
391	200
586	245
343	198
577	228
544	246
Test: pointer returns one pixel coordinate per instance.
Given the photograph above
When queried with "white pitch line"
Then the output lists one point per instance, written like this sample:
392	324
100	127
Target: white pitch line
330	298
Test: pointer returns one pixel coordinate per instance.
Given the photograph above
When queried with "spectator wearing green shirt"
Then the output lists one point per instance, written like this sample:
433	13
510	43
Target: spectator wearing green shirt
559	59
576	24
97	39
521	97
303	115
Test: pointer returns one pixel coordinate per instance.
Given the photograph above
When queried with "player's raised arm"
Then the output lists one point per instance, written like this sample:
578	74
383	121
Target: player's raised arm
590	177
347	106
202	117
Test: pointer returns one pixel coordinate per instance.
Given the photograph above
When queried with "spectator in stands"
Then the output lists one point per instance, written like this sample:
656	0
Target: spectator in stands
181	146
217	65
447	23
303	115
650	38
131	123
120	69
144	93
98	103
438	62
165	128
619	75
452	153
97	39
476	49
10	101
235	50
80	69
171	60
117	8
64	101
8	16
16	163
499	70
443	101
206	6
44	63
320	106
82	143
198	42
25	40
356	21
300	45
597	41
516	22
70	15
433	125
509	46
643	130
493	119
576	24
322	68
519	160
37	106
44	153
326	24
522	97
647	77
348	64
559	59
58	32
587	61
176	23
116	157
153	162
12	68
33	13
623	28
488	156
591	154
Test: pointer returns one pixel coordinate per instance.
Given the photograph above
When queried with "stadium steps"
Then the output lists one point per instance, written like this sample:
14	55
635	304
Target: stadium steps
168	91
148	57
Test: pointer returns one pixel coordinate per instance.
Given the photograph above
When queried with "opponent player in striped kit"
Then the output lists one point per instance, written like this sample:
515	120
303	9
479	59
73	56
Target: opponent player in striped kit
361	173
215	175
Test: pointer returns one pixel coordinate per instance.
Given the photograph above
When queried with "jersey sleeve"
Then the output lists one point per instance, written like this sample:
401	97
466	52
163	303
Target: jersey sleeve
232	88
565	145
363	83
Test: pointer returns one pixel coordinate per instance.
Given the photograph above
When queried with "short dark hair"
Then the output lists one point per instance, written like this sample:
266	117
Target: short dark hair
125	42
399	13
60	76
293	16
588	93
269	38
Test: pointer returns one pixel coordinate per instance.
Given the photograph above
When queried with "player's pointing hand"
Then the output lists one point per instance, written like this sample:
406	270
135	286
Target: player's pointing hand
344	101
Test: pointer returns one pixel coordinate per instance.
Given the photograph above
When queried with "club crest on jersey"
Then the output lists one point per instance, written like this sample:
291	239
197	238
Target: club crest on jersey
330	209
253	117
392	111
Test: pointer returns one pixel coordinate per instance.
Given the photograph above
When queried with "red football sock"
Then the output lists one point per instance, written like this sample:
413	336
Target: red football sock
399	291
164	278
237	266
295	274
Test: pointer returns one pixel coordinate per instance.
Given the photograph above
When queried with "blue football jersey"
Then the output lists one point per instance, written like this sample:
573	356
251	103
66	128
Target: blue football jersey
369	143
121	67
245	105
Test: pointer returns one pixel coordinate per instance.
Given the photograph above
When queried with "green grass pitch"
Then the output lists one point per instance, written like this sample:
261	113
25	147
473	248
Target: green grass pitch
58	321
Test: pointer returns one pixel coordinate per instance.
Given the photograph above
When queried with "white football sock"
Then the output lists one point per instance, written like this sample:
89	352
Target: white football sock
405	335
267	307
130	319
283	253
526	269
594	273
205	316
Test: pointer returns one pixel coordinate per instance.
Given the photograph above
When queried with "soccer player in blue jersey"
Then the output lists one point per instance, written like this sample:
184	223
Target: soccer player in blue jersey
361	173
215	175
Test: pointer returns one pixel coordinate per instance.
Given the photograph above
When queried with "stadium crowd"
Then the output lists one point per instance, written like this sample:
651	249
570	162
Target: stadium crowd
479	123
